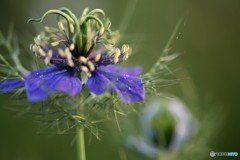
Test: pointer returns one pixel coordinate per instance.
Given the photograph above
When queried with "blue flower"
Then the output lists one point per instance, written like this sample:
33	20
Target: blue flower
70	66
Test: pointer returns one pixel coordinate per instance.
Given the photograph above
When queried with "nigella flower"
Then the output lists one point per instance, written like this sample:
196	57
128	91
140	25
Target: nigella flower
165	126
80	52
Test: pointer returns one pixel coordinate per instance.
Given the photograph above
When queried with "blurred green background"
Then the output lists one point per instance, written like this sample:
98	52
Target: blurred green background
209	43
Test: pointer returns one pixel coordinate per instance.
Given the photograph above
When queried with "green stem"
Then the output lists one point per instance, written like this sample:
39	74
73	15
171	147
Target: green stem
81	143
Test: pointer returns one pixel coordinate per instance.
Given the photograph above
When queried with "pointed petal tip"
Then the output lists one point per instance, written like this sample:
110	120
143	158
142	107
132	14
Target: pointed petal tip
8	86
129	88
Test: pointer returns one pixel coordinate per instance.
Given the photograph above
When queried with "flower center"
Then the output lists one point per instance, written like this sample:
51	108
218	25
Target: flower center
82	44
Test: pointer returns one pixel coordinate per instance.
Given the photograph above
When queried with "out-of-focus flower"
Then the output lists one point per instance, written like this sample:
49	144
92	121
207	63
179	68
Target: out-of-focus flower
81	51
165	126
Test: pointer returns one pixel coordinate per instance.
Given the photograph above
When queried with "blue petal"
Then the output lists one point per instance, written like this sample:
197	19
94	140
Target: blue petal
134	71
129	88
7	86
44	82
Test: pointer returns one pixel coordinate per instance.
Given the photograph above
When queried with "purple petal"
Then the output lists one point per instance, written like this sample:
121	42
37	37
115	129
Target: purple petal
129	88
7	86
44	82
134	71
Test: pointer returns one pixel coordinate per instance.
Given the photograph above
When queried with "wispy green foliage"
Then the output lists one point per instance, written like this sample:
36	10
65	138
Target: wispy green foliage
10	56
64	112
156	77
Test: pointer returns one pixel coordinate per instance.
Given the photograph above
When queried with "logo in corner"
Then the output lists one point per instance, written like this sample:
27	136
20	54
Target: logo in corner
212	154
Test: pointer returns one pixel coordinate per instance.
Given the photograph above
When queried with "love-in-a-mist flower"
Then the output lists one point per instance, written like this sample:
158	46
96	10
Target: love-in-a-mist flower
80	52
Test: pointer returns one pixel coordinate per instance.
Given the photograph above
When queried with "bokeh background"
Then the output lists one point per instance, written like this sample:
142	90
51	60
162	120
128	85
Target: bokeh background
209	43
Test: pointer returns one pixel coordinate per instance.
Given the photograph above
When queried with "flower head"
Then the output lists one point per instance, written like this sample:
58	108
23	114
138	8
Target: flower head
80	52
165	126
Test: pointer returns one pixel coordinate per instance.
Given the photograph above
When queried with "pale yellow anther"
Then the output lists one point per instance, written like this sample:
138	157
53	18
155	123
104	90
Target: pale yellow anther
41	52
117	51
70	62
72	47
67	52
125	56
109	47
91	66
125	49
116	55
39	37
84	69
47	60
83	59
46	28
97	57
50	54
61	26
71	28
115	60
101	31
33	48
55	43
69	57
48	57
89	74
61	53
37	40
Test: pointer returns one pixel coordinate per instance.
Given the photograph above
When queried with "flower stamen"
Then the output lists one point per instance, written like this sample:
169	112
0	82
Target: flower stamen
48	57
97	57
83	59
69	57
86	70
41	52
56	43
61	53
116	55
71	28
72	47
125	51
91	66
61	26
